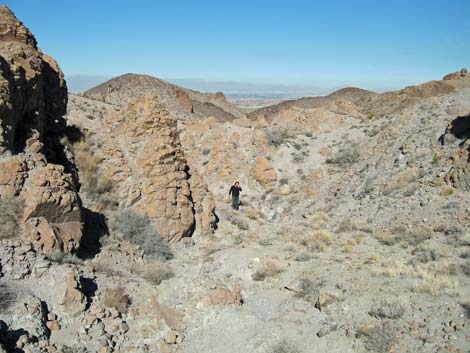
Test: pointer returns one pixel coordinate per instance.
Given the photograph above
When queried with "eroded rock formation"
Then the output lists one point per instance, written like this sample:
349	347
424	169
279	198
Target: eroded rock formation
33	164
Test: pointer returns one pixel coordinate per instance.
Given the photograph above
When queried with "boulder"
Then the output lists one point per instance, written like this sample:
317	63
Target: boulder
264	172
73	301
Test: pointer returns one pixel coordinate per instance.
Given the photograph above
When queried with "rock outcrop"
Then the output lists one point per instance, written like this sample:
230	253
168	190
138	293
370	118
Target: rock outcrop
33	163
264	172
147	167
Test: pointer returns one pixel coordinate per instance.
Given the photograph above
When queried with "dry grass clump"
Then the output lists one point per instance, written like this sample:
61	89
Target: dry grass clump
411	236
317	241
385	238
402	179
85	159
157	272
116	298
284	346
237	222
431	278
10	212
447	191
267	269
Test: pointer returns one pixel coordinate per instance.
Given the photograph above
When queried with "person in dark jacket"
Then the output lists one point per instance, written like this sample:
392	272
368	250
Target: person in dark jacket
235	192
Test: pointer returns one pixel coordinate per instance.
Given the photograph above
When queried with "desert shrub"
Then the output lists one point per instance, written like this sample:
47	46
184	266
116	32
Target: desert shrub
10	211
139	230
116	298
206	151
345	157
157	273
267	269
284	346
425	254
302	257
387	309
380	337
317	241
277	136
308	290
7	297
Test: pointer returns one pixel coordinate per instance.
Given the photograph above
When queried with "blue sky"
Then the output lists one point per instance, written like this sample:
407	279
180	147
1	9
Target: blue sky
371	44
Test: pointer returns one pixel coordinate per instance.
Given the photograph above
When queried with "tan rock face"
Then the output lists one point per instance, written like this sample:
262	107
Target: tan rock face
264	172
223	296
33	100
168	195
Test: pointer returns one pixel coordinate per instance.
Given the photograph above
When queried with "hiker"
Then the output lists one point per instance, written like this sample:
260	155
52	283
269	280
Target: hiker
235	192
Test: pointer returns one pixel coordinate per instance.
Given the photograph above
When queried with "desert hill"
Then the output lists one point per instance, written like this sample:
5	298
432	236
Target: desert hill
122	89
117	233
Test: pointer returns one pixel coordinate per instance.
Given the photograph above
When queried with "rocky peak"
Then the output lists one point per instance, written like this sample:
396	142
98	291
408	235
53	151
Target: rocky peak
13	30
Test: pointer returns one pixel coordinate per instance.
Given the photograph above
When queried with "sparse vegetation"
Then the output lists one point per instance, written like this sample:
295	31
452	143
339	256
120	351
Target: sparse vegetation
388	310
139	230
116	298
277	135
10	210
431	278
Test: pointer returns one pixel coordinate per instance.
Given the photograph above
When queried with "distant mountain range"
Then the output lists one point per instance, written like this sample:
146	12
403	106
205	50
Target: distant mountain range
232	89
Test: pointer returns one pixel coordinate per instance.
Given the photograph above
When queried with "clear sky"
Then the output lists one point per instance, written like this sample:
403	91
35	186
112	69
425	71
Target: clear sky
373	44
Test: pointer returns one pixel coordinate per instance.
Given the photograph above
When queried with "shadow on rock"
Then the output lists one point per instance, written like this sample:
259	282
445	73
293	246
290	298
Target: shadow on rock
95	228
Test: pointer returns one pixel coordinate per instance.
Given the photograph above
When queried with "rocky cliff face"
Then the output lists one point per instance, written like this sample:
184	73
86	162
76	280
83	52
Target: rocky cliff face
33	163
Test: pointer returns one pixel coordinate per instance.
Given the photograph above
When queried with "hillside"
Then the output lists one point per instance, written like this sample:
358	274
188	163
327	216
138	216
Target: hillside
117	232
122	89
